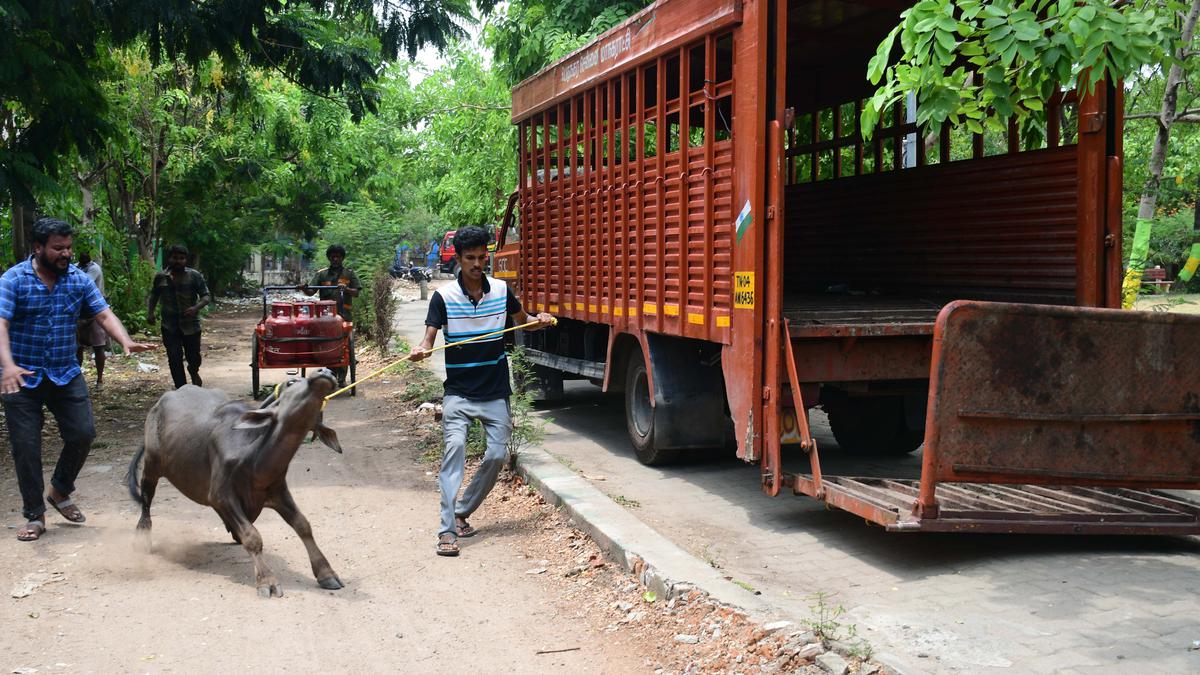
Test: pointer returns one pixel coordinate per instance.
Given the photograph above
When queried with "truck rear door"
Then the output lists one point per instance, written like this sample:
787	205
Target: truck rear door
1048	419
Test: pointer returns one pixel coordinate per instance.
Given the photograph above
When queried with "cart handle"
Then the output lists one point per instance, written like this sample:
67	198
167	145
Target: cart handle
406	357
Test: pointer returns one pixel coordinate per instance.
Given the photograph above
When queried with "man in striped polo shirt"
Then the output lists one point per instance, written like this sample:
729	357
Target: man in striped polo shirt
477	385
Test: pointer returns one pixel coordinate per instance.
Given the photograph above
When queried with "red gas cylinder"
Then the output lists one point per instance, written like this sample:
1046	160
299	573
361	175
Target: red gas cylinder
280	325
327	325
303	317
326	322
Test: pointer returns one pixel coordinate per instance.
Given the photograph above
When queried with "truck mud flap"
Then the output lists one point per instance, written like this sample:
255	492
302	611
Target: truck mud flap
1047	419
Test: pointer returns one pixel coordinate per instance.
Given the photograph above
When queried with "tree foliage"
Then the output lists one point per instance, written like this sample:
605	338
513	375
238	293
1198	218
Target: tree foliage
464	142
528	35
979	62
52	66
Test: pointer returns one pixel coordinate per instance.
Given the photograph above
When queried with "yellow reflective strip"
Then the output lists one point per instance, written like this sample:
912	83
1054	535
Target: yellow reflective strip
592	308
671	310
618	311
554	309
697	319
649	308
604	309
632	312
722	322
579	307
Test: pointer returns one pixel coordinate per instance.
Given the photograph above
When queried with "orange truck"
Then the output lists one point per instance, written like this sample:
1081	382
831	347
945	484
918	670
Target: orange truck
727	250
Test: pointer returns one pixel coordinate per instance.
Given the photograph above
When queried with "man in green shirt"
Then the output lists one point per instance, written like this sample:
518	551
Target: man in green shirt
328	280
183	293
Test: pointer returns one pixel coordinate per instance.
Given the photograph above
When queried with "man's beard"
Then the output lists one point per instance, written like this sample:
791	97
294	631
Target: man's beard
44	261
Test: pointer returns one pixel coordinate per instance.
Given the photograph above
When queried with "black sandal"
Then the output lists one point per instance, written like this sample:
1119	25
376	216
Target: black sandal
447	545
465	529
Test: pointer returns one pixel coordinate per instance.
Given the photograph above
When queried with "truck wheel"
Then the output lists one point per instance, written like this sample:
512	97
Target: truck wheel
639	414
873	425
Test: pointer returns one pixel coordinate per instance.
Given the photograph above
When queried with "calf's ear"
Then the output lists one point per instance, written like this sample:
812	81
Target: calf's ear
256	419
328	437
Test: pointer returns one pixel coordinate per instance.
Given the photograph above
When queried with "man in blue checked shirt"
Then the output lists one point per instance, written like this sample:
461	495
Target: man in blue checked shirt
40	301
476	386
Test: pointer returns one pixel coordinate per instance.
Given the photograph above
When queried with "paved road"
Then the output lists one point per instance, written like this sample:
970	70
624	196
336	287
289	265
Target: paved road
936	603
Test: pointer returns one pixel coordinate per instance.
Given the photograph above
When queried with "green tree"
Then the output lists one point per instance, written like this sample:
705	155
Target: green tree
976	63
528	35
462	133
52	67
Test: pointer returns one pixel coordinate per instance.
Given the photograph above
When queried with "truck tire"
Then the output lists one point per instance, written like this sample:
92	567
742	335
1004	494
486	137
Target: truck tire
639	414
873	425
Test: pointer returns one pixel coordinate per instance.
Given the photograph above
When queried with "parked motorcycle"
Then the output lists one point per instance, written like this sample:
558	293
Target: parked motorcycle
412	273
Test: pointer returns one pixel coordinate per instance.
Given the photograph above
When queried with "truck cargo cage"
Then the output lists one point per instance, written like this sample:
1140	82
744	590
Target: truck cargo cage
1063	420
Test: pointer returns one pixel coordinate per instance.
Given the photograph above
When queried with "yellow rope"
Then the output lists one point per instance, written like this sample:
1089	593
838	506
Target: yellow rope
448	345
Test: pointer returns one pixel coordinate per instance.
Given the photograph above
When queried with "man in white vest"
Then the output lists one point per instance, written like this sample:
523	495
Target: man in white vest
477	383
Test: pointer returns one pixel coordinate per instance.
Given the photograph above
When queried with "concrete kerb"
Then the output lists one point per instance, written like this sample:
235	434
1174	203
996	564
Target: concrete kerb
661	566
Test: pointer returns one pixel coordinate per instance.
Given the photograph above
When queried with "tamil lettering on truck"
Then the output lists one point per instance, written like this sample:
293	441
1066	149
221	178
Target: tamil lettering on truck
727	251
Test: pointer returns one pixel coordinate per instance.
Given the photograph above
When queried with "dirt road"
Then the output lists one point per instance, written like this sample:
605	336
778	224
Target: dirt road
190	605
530	593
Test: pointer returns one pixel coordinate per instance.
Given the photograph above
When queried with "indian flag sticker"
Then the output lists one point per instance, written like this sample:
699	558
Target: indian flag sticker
743	220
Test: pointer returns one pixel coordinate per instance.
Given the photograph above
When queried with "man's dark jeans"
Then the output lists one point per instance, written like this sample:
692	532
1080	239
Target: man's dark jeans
178	345
25	412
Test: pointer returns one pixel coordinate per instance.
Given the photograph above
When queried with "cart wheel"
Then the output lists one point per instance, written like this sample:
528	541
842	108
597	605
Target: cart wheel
254	375
353	368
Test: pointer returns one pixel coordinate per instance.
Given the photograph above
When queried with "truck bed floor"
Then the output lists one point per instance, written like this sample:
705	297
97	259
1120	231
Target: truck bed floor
845	314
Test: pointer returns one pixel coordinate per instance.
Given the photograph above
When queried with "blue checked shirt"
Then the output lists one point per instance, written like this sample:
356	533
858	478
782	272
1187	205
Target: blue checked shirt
41	323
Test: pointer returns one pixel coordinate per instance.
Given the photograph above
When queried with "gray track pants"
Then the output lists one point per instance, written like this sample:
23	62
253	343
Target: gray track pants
457	413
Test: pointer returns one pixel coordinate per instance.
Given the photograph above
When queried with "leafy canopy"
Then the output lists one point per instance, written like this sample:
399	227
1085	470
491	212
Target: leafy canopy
979	62
53	58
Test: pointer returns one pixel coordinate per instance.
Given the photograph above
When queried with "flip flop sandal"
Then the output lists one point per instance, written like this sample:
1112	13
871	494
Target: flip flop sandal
63	509
32	531
447	545
465	530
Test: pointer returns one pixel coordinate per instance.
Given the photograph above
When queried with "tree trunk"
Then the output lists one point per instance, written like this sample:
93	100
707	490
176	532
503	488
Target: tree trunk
22	221
1168	113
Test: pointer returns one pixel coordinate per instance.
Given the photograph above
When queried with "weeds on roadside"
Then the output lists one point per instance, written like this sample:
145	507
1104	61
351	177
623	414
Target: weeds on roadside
827	623
383	303
529	429
625	501
746	586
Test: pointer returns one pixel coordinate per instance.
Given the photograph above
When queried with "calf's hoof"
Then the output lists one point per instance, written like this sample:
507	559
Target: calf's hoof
332	583
141	538
270	590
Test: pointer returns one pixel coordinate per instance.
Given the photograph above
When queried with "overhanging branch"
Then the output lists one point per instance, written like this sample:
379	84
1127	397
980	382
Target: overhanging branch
1190	115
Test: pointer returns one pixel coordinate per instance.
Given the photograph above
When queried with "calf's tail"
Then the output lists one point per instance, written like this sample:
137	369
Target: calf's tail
131	476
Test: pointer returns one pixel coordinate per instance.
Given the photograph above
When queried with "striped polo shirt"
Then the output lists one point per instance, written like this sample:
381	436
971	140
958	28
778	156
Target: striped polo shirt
479	370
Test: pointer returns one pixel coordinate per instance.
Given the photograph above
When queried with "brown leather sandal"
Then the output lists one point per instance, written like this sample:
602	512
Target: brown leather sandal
67	509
